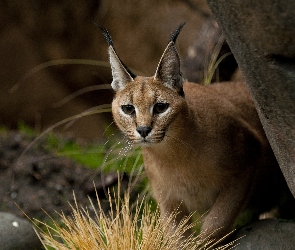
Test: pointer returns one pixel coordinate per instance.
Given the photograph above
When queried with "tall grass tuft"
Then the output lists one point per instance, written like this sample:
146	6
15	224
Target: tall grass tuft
120	229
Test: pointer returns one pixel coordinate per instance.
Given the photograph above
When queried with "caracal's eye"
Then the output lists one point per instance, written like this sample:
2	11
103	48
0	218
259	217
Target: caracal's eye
128	109
160	107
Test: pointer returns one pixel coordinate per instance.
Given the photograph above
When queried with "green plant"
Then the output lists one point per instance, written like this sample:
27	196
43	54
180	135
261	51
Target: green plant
112	156
3	129
25	129
213	62
115	155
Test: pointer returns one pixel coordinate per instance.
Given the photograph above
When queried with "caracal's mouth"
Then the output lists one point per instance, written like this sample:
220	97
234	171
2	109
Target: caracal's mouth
146	142
149	140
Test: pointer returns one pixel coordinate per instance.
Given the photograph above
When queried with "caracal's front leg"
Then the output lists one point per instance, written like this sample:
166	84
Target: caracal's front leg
229	203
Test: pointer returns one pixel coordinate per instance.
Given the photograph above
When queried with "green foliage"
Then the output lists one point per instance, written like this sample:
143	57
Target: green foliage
108	157
214	63
90	155
111	156
3	129
26	129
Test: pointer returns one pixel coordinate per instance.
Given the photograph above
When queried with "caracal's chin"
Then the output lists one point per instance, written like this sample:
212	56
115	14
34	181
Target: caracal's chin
147	142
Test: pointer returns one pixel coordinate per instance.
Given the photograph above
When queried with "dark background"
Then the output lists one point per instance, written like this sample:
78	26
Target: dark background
34	32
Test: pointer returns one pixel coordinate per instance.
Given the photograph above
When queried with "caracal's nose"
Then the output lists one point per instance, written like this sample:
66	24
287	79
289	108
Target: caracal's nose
144	130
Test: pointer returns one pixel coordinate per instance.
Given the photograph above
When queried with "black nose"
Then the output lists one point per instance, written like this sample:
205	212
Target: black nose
144	130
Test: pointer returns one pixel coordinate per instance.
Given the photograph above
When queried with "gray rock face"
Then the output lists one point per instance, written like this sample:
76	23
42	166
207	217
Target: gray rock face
267	234
17	234
261	35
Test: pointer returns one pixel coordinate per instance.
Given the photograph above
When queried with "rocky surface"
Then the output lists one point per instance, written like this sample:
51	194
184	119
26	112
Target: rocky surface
261	36
17	233
267	234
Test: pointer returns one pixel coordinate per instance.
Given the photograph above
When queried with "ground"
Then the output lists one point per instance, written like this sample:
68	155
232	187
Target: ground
40	179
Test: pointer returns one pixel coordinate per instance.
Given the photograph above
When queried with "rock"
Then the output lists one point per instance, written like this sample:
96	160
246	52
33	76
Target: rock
17	233
261	36
267	234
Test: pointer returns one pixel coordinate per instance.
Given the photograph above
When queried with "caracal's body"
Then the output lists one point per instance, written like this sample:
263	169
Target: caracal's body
204	150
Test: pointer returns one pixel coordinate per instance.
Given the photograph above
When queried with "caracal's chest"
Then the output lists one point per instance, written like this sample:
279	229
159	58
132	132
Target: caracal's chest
181	180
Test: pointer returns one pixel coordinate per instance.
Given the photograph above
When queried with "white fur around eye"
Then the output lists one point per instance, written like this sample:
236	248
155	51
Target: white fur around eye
152	109
126	115
122	112
165	112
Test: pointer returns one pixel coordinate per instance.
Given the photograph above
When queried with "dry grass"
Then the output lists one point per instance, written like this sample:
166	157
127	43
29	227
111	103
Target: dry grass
121	229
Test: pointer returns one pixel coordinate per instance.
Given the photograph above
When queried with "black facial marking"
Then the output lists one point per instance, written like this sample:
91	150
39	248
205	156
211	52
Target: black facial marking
181	92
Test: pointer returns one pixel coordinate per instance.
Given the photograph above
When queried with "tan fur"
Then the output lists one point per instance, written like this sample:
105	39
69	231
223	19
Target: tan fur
206	152
209	152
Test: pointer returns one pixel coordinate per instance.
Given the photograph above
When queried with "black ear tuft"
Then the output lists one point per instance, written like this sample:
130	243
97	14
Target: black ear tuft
168	71
109	39
175	33
107	36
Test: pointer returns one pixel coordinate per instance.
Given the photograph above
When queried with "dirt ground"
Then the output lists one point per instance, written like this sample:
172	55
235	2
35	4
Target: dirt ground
39	179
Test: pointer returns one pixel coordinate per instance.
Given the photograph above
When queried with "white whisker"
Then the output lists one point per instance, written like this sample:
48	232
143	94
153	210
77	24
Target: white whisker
183	143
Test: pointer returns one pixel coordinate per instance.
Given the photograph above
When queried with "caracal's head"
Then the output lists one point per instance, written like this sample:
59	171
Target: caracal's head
146	108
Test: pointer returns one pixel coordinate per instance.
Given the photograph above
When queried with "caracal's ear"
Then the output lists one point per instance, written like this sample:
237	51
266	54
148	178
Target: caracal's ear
121	74
168	71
